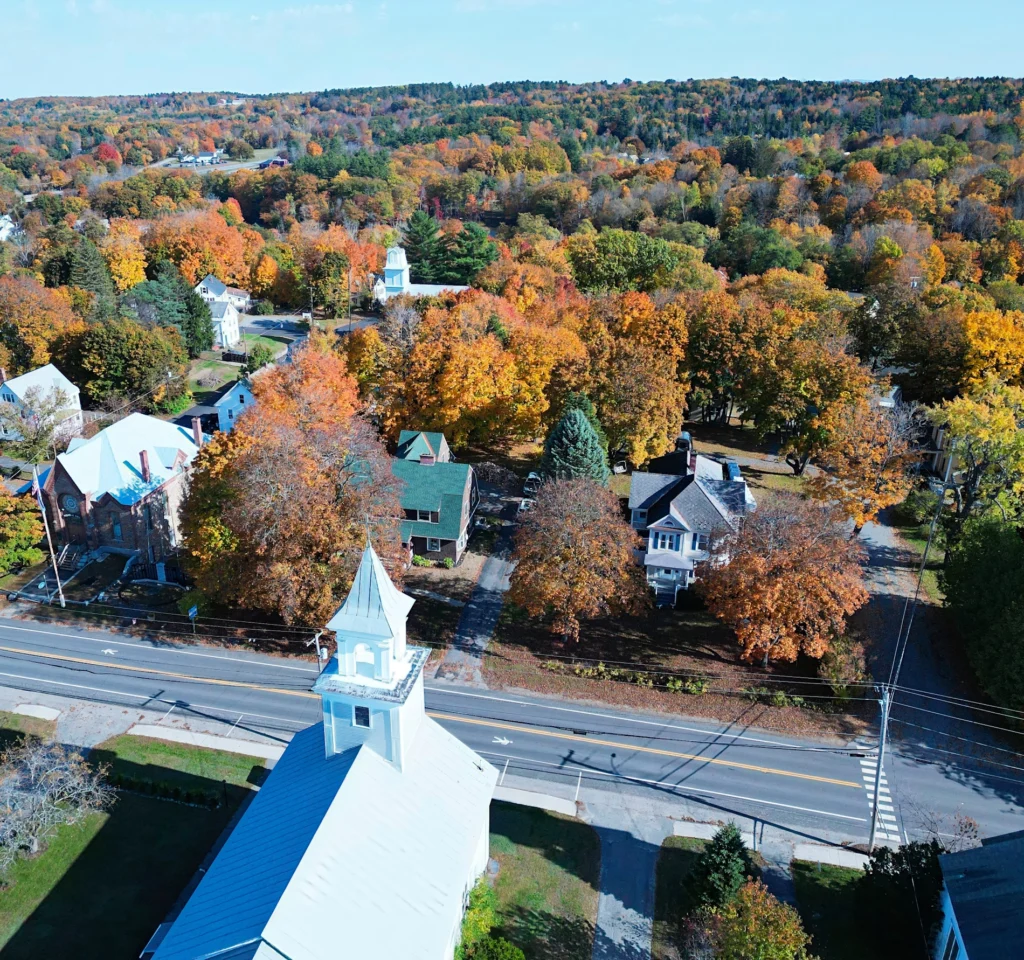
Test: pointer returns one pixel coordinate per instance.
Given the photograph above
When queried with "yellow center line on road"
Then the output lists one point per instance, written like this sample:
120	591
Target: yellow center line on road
495	724
106	664
533	731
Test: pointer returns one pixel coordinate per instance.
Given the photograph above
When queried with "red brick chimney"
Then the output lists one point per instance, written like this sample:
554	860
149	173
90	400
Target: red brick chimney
3	375
197	431
144	459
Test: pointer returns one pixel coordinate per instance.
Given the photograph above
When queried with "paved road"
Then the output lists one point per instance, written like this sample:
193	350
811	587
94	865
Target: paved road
561	747
817	789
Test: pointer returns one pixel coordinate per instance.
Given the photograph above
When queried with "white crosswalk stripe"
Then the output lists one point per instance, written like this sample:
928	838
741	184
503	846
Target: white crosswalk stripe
888	826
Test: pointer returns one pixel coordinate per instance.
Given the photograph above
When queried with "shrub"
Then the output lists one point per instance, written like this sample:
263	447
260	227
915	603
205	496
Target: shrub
418	561
918	508
481	915
900	892
721	870
496	948
265	308
447	563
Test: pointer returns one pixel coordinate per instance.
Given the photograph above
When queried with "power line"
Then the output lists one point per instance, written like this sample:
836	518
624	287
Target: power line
950	716
953	736
962	702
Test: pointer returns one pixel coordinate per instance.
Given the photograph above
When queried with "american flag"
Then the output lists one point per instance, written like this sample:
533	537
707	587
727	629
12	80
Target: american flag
37	490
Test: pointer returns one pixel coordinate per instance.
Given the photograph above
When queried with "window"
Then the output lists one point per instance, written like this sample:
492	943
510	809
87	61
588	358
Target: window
700	541
241	398
115	527
361	716
423	515
148	514
666	541
433	545
639	518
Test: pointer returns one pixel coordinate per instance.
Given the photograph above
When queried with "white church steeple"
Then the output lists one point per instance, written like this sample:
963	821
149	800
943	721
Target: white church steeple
372	689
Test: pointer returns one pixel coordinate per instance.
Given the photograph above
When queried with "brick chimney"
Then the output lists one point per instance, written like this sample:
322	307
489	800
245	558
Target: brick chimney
693	460
3	375
427	460
197	431
144	459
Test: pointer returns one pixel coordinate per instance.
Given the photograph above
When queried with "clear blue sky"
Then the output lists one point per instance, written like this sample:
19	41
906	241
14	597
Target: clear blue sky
91	47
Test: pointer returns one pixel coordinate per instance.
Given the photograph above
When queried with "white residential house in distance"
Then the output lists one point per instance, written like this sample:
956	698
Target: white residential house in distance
678	513
225	324
36	386
214	291
368	835
396	280
8	228
231	404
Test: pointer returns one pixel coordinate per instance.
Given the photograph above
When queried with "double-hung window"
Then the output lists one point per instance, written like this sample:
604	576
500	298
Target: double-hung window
700	541
665	541
433	545
361	716
423	515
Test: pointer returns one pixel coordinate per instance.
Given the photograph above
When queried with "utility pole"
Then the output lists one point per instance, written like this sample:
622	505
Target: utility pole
319	656
884	724
37	490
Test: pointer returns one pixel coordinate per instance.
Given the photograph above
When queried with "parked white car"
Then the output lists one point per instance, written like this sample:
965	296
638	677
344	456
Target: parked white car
526	504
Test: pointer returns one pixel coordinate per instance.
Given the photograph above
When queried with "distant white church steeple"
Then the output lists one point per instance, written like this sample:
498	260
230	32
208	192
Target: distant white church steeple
372	689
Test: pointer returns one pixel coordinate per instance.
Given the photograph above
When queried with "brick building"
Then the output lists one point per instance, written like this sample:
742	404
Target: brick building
123	488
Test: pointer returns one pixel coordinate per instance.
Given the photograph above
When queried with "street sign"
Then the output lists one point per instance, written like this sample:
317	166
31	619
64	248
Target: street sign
193	612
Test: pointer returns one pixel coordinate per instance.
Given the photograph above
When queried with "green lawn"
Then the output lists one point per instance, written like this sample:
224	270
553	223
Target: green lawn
118	873
14	727
826	899
547	883
677	859
278	344
916	538
208	376
22	578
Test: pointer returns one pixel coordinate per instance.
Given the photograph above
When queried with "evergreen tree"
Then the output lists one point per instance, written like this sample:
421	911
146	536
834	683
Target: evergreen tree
168	301
721	870
573	451
197	324
328	284
89	272
581	402
464	255
423	247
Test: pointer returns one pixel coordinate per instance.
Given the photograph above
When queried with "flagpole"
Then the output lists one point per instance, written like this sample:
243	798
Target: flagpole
49	538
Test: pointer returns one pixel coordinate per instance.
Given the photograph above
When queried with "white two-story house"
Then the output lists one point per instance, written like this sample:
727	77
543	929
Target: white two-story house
678	513
38	387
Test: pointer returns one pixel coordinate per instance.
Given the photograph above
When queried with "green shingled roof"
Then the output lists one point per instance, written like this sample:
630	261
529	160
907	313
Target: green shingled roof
413	444
437	488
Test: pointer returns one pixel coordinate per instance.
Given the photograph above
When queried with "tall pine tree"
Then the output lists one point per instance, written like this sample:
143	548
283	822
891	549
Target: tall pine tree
572	450
423	247
465	254
89	272
583	403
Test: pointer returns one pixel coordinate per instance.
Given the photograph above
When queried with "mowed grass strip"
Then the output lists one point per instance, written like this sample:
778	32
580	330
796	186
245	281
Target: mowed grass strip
826	897
547	883
671	903
102	886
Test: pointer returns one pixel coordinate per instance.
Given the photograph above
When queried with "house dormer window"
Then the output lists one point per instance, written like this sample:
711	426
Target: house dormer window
361	716
423	515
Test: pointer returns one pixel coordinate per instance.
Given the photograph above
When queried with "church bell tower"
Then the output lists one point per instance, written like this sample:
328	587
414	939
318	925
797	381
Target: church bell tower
372	689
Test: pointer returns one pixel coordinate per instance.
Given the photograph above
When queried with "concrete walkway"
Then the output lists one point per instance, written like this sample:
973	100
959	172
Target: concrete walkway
463	662
625	906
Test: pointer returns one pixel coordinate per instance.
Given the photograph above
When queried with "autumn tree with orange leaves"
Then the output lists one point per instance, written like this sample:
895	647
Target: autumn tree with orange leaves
574	557
201	242
785	579
279	509
867	465
34	322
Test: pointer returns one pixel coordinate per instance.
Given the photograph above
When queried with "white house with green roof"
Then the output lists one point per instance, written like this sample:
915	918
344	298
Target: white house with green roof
439	497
